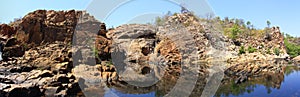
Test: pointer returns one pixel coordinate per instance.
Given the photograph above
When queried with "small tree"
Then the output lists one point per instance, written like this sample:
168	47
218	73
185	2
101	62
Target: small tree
218	18
169	13
248	24
242	50
183	9
159	21
268	23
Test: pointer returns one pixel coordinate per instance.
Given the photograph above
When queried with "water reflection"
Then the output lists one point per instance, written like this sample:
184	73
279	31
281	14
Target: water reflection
270	85
160	89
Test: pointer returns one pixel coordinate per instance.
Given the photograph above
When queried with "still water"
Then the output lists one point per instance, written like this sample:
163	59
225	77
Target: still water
268	86
279	85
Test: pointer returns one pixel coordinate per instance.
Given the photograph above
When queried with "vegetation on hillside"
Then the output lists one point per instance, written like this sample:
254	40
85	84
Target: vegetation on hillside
239	29
242	50
236	28
293	49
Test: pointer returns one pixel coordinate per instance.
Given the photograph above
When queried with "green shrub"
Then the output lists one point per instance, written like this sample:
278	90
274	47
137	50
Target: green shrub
95	53
251	49
159	21
292	49
242	50
277	51
175	14
235	30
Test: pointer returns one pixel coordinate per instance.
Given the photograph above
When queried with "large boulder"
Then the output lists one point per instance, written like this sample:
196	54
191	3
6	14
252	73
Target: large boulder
44	26
7	30
9	44
15	51
297	59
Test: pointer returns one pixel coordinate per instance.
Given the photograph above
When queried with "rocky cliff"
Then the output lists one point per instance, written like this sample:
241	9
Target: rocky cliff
37	53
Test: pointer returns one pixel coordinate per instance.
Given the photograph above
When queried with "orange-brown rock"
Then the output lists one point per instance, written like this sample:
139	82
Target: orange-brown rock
102	30
102	45
48	26
297	59
6	30
169	50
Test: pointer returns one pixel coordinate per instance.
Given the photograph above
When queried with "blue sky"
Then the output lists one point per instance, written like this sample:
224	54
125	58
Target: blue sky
285	14
281	13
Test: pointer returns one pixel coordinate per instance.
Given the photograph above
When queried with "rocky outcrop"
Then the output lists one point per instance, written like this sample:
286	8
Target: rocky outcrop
102	46
153	54
41	27
295	41
244	71
47	56
36	83
297	60
7	30
43	71
10	46
138	43
37	53
195	28
48	70
261	61
48	26
266	44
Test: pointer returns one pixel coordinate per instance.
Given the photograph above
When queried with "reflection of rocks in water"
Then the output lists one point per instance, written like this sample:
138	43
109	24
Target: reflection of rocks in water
243	71
269	80
200	84
290	69
162	87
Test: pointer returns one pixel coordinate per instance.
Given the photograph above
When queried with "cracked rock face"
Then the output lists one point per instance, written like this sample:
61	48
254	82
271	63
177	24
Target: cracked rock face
135	44
37	54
